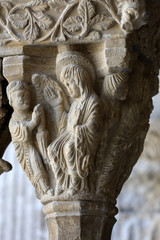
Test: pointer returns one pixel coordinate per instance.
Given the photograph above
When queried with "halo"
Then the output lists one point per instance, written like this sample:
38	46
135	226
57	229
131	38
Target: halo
73	57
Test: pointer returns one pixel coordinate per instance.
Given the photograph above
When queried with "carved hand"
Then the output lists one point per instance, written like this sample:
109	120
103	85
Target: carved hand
51	97
36	115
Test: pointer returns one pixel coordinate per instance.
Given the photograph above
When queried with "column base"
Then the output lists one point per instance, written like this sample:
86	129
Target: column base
78	220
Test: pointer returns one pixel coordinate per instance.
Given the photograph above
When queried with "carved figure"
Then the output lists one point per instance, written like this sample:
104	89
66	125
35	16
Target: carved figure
22	125
133	14
72	152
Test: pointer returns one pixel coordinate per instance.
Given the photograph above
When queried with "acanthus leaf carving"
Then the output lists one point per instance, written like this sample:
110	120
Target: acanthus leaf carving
73	24
58	5
37	5
87	21
32	20
37	24
19	21
31	31
86	10
101	22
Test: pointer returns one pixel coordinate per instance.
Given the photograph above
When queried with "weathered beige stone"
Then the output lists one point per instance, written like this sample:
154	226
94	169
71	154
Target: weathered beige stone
16	67
80	88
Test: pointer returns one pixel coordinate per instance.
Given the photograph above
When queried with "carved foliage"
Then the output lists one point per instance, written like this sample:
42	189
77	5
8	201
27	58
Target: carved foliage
87	20
29	17
33	21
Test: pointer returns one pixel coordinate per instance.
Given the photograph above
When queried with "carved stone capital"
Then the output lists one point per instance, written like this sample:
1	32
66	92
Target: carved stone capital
80	85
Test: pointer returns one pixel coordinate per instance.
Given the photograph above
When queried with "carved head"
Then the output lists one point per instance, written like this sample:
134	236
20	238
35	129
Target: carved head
76	72
133	14
76	80
19	95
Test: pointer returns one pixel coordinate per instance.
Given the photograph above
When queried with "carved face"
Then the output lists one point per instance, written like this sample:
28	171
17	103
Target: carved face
71	86
132	16
129	15
20	99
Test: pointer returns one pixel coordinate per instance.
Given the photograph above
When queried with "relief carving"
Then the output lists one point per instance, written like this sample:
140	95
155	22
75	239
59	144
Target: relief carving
76	112
79	122
71	154
22	124
41	20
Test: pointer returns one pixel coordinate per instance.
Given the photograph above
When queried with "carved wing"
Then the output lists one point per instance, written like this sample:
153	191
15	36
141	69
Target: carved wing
48	93
41	82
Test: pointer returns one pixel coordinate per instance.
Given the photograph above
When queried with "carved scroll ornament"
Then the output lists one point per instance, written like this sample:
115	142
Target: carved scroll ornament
42	20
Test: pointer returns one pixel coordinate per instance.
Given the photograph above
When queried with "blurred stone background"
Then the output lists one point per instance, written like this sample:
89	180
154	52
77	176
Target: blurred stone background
21	216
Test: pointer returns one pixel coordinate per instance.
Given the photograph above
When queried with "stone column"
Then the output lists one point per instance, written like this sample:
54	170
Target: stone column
80	85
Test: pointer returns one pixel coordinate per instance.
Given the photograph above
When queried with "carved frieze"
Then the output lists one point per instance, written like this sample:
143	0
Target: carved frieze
53	20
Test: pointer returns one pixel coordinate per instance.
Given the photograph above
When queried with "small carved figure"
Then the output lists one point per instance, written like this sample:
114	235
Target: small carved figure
133	14
72	152
22	125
